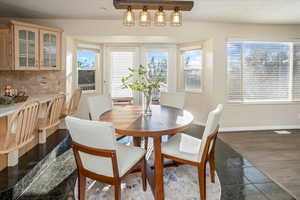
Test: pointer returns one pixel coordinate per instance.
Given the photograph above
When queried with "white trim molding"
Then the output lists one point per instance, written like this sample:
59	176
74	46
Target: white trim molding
258	128
251	128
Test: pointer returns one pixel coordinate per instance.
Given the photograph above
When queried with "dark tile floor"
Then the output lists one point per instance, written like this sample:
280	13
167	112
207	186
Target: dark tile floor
239	179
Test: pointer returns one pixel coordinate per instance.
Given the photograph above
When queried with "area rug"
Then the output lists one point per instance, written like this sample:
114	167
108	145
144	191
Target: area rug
180	183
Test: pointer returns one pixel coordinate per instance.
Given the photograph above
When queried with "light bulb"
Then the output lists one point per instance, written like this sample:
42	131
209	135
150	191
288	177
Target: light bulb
176	18
128	19
160	18
145	18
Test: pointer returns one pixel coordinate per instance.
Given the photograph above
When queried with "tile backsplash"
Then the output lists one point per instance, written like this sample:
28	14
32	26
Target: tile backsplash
34	82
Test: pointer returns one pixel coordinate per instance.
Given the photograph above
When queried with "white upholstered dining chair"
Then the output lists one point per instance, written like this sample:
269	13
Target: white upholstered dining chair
172	99
98	105
192	151
99	157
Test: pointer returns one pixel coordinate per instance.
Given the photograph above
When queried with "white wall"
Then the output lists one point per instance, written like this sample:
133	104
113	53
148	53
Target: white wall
215	36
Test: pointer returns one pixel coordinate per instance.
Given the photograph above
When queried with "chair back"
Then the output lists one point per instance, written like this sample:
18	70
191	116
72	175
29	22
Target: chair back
98	105
74	102
96	134
23	123
54	110
211	130
94	146
172	99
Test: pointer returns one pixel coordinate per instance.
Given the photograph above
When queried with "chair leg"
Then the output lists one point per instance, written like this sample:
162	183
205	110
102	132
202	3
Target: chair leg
144	175
202	181
81	186
212	166
118	190
13	158
43	136
146	143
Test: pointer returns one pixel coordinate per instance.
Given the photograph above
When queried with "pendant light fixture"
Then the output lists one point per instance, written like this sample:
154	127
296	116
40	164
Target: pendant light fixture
160	17
145	17
128	18
176	18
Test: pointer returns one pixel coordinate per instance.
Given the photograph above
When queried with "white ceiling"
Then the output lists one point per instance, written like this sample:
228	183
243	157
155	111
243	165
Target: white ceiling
236	11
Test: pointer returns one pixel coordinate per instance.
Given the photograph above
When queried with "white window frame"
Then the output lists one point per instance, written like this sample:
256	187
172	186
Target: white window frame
171	70
267	101
182	51
97	67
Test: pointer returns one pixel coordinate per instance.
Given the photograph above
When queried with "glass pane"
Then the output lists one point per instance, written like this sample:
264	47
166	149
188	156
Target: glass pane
46	61
52	50
22	35
31	61
157	62
31	36
86	79
192	79
266	71
22	61
53	39
53	60
46	38
22	47
192	59
86	61
46	50
31	48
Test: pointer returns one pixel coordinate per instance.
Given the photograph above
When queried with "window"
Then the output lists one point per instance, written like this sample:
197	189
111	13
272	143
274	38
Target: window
86	65
192	67
263	71
120	62
157	62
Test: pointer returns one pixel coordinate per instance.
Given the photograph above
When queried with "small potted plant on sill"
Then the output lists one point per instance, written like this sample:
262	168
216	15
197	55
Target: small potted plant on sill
143	81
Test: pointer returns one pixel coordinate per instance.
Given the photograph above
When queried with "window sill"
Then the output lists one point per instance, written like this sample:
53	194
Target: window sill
264	103
89	91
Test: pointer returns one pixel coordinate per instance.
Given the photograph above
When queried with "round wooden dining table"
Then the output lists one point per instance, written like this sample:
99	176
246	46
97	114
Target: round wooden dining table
130	121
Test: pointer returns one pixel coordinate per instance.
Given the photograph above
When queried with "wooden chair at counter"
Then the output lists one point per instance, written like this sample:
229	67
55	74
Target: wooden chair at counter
73	105
21	129
51	117
202	153
98	105
103	159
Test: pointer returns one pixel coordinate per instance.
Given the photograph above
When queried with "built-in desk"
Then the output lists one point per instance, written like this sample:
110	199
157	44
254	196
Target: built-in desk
6	111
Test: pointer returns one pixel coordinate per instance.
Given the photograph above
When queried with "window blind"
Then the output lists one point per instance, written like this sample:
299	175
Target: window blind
263	71
120	62
296	72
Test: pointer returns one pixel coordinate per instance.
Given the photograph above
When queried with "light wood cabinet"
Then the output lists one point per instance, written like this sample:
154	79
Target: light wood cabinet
50	50
26	46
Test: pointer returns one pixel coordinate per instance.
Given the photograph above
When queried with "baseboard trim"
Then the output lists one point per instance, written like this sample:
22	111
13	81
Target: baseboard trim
258	128
251	128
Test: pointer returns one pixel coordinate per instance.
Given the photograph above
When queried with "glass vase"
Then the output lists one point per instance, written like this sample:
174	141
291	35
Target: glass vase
147	104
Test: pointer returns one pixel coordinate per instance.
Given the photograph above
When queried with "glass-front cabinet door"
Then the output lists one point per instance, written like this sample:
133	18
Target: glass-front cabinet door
26	48
49	50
